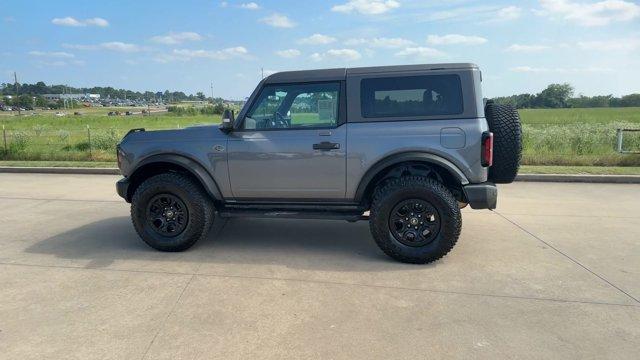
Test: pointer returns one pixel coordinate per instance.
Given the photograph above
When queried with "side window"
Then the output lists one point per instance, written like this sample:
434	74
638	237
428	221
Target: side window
411	96
295	106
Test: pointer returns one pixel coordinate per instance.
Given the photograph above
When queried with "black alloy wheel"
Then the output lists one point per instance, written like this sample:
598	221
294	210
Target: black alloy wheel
414	222
167	215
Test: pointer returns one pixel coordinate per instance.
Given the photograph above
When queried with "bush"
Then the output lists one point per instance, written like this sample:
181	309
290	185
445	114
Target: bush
216	109
19	141
64	136
38	129
105	140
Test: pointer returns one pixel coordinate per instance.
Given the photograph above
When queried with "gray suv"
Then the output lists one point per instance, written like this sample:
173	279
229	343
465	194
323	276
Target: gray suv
404	147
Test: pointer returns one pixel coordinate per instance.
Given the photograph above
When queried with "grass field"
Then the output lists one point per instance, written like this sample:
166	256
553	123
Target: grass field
579	136
569	137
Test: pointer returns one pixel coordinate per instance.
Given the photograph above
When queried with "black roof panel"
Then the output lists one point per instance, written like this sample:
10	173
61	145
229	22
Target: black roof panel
340	74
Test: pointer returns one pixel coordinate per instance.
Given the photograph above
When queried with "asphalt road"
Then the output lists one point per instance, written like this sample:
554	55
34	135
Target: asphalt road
553	273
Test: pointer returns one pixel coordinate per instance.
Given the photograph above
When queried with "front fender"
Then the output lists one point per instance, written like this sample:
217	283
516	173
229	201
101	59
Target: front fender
190	165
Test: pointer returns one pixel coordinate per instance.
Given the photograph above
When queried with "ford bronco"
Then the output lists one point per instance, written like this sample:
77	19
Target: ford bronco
404	147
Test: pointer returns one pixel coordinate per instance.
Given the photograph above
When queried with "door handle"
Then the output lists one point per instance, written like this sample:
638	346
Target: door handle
326	145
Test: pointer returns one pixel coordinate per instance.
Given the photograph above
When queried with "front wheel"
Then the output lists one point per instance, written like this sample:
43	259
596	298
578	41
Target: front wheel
171	212
415	219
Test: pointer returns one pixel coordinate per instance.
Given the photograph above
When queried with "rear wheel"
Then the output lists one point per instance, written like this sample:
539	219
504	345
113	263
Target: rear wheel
415	219
171	212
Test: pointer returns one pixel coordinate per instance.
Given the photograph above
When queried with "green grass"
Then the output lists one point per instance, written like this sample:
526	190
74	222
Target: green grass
83	164
580	116
101	121
579	137
590	170
48	137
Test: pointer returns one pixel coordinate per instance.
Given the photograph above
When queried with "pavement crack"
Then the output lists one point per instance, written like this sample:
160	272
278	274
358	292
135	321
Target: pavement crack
572	259
173	308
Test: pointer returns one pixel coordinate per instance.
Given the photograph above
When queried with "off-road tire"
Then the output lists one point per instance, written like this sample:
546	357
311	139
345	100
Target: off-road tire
504	122
397	190
198	204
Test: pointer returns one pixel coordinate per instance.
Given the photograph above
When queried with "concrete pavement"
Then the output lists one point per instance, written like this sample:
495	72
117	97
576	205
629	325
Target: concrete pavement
553	273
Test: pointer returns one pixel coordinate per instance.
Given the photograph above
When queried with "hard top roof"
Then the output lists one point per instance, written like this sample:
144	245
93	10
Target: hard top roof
340	73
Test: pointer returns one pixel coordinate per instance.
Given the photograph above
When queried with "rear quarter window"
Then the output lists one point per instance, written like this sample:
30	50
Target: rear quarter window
406	96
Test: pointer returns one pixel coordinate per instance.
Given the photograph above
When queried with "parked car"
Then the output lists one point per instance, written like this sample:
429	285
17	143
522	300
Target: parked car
404	147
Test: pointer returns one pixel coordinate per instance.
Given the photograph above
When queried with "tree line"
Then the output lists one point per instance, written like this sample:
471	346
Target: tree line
40	88
553	96
561	96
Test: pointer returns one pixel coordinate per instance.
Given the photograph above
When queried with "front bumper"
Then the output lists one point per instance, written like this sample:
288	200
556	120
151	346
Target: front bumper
481	196
122	187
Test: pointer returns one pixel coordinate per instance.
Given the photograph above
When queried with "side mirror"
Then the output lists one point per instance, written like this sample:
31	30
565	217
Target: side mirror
228	118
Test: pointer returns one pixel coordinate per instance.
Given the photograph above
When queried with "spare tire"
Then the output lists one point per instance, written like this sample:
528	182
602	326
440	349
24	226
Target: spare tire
504	123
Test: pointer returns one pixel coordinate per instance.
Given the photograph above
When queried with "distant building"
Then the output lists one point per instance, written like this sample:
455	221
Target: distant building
54	97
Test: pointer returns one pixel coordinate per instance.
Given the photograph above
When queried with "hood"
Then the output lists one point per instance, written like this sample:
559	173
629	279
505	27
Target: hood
198	132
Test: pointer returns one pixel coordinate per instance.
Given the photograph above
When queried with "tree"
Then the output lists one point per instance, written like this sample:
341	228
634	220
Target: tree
24	101
40	101
218	108
630	100
554	96
200	96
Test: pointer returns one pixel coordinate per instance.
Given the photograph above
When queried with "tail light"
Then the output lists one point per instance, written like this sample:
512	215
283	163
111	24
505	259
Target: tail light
487	149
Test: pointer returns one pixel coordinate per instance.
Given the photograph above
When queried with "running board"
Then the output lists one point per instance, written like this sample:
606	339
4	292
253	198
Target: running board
350	216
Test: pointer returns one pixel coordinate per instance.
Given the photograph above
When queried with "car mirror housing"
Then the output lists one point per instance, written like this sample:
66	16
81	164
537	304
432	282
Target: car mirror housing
226	126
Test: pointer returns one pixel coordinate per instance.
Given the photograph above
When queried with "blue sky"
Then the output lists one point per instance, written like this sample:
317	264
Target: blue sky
521	46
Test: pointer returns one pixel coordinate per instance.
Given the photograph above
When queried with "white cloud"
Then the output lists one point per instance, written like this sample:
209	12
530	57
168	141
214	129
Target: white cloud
111	46
67	21
119	46
100	22
317	39
420	52
382	42
53	54
70	21
188	54
224	4
250	6
367	7
527	48
42	63
455	39
509	13
622	45
337	54
529	69
289	53
592	13
176	38
278	20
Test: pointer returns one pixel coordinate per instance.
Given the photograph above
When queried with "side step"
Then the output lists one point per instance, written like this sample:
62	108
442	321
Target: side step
350	216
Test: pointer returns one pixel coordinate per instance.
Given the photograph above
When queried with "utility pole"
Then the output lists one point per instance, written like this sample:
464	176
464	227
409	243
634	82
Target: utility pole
212	93
16	85
262	72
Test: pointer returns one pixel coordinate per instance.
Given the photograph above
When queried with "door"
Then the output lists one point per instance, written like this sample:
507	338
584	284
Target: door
291	145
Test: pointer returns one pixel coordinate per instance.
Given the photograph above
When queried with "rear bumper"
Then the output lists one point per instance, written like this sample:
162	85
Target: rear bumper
122	187
481	196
